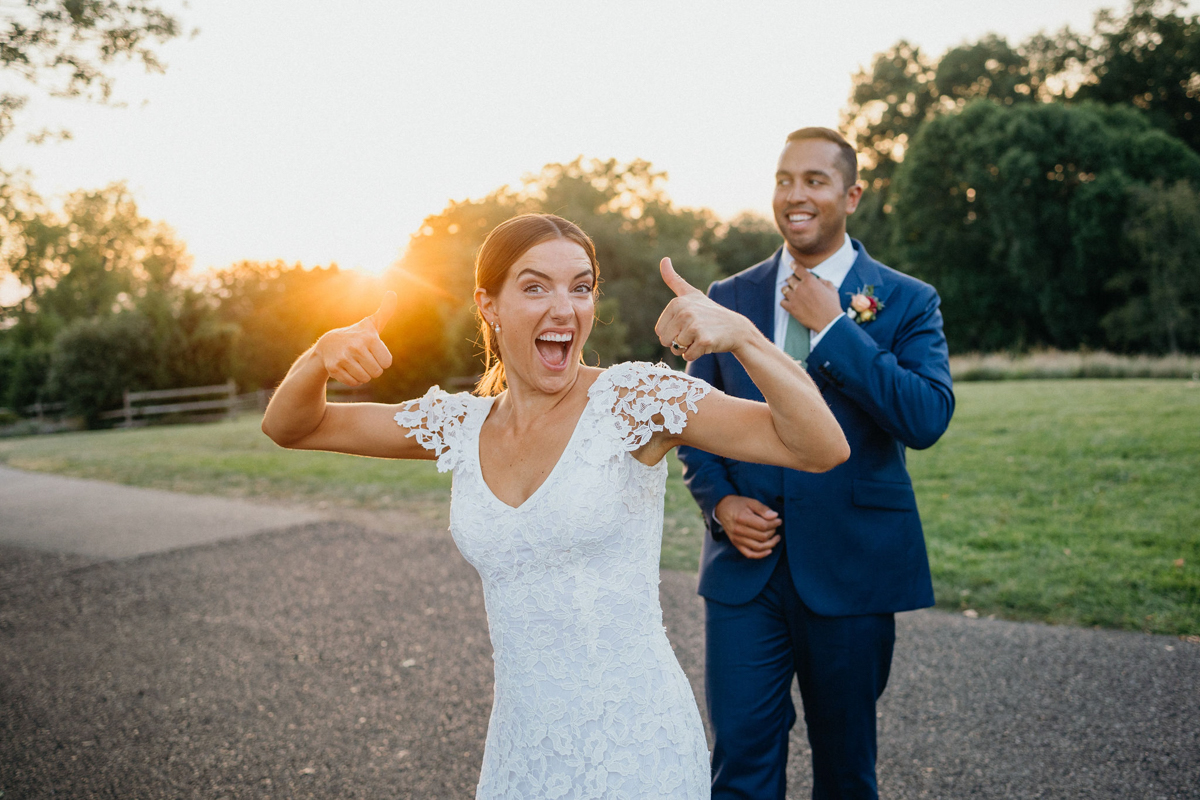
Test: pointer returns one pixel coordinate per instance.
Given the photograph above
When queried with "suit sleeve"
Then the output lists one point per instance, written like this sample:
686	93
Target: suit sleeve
707	475
906	390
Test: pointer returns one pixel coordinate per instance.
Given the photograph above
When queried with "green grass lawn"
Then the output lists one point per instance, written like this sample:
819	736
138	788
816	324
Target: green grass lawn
234	459
1068	501
1064	501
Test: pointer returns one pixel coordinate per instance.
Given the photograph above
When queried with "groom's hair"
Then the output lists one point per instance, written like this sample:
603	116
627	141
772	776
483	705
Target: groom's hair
849	159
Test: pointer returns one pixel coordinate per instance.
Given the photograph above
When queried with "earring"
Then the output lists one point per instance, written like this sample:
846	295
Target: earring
496	327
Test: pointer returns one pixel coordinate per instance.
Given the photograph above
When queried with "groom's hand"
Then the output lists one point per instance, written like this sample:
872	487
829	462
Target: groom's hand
811	300
749	524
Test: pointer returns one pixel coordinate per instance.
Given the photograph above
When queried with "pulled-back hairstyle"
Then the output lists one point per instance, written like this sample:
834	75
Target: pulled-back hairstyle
848	161
507	242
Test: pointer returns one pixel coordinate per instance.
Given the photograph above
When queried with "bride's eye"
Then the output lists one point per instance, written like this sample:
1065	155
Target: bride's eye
584	288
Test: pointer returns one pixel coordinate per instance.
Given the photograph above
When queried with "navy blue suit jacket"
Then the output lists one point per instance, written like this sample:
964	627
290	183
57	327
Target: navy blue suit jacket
852	535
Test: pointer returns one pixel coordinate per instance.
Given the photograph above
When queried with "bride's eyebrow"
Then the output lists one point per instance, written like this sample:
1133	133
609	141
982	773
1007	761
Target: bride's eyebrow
587	273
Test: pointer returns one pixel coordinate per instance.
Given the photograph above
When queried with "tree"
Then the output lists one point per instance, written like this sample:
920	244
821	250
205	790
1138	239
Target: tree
95	360
1162	286
740	243
67	46
904	88
1150	58
24	370
19	243
190	345
625	210
96	255
1016	215
98	258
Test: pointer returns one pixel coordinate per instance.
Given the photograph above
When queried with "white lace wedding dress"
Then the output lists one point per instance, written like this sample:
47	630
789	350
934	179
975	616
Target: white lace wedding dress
590	701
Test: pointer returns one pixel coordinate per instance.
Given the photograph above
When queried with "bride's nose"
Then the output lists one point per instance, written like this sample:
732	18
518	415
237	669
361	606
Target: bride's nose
562	308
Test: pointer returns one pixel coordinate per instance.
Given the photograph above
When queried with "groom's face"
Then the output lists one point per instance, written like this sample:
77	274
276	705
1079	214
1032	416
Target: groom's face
812	200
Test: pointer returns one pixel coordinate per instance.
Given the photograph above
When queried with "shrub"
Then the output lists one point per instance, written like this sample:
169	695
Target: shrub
95	360
1055	364
23	371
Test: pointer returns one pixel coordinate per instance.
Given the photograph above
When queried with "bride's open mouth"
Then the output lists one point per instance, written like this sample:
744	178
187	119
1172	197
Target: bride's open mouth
554	348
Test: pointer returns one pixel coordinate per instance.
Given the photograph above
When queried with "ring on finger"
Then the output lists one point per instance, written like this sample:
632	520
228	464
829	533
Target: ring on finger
676	347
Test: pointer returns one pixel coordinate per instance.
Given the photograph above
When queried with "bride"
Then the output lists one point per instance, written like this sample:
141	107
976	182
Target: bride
557	501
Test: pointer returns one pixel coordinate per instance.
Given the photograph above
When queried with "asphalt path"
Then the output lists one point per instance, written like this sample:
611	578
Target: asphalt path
348	657
103	521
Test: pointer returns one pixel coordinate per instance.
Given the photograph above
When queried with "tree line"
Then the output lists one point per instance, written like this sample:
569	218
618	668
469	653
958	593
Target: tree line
1048	189
111	302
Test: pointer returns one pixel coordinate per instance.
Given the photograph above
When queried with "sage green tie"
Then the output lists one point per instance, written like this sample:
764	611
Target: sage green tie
796	342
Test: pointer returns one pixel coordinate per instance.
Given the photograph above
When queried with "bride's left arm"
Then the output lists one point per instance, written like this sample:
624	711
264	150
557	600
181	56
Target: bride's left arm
794	428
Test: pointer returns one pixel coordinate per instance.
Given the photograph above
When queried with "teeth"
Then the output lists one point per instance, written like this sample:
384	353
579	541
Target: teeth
556	337
799	217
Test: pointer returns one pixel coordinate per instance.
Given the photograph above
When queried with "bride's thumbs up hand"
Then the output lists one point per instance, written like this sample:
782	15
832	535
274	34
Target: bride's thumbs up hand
692	325
355	354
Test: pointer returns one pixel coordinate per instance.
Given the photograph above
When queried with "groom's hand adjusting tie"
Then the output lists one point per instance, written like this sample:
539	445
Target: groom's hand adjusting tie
812	304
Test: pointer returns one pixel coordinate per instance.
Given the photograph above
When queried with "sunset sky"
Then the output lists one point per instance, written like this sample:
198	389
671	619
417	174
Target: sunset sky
324	132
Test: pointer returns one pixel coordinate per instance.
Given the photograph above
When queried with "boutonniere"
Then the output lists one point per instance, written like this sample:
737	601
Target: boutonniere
864	305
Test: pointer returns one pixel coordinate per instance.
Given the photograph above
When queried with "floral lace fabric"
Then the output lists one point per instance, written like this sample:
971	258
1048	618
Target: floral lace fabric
590	701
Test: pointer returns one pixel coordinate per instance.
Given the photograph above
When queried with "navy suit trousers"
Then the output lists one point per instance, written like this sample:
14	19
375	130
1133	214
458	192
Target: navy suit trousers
841	664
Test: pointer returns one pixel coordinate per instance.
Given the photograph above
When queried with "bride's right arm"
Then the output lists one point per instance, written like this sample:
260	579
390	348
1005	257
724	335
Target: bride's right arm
298	417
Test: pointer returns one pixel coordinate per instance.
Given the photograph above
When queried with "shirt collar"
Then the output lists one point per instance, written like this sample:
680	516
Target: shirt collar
833	269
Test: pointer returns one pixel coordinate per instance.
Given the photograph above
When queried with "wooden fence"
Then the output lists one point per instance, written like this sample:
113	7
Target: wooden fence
202	403
40	410
222	402
219	401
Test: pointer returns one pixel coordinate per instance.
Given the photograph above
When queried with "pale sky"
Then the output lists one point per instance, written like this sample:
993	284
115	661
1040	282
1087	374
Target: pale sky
325	132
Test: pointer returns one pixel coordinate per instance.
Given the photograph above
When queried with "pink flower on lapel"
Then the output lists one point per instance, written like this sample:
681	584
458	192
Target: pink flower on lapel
864	305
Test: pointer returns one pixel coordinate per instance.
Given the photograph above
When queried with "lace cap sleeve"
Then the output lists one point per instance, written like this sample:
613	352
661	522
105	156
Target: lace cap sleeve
436	422
647	398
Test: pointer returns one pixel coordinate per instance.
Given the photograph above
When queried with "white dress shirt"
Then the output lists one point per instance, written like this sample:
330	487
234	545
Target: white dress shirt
833	269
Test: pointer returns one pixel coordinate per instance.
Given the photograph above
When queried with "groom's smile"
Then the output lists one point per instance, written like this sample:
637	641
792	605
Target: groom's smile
799	220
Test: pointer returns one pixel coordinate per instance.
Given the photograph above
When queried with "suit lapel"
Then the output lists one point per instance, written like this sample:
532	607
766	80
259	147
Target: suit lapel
756	295
865	272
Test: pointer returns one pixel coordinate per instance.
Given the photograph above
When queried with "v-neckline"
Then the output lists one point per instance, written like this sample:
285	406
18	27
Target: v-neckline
549	475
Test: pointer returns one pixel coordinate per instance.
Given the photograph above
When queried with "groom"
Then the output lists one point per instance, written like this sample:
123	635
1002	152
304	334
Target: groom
801	573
